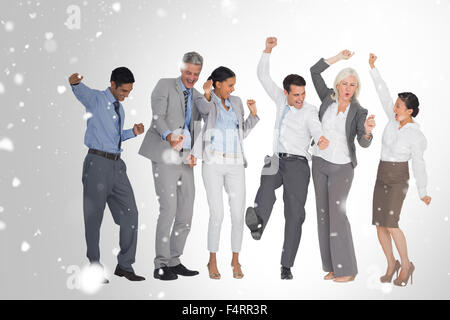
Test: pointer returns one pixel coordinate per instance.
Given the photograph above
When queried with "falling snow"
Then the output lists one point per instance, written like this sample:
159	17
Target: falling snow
25	246
6	144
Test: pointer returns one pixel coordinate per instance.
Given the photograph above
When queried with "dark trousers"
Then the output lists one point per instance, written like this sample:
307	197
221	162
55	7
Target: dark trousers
105	181
294	175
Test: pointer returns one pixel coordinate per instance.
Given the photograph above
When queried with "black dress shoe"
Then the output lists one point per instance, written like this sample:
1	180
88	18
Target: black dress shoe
286	273
164	273
254	223
130	275
183	271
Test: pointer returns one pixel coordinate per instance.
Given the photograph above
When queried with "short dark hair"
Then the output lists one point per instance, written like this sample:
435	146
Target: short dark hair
122	75
411	102
221	74
294	79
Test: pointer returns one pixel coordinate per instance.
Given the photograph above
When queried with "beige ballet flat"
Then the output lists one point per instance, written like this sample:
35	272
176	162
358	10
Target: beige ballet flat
329	276
344	279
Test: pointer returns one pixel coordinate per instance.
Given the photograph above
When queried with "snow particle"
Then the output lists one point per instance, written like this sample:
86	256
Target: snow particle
9	26
16	182
18	79
2	225
25	246
116	6
165	239
87	115
161	13
61	89
2	88
98	34
6	144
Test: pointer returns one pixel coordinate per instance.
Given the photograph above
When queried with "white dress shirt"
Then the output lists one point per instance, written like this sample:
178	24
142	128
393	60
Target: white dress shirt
400	145
294	127
333	125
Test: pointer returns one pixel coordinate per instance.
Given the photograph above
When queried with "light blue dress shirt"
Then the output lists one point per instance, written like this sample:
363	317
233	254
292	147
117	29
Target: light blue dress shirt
102	132
225	138
187	121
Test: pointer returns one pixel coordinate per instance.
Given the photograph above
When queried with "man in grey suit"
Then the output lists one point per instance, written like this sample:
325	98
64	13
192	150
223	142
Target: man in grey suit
175	125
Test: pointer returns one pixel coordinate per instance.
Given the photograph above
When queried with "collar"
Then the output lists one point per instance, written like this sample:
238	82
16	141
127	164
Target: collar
227	101
109	96
183	87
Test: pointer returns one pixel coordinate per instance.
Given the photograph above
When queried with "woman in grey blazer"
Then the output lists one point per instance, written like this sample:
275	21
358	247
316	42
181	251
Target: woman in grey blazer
221	148
343	120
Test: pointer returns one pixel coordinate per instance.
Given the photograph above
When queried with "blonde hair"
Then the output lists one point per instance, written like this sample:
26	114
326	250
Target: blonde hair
344	73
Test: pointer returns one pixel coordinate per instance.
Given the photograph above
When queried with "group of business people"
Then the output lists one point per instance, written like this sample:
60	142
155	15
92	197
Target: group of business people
177	138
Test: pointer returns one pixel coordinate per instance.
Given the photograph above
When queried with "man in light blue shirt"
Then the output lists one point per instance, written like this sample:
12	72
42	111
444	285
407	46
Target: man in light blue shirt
105	180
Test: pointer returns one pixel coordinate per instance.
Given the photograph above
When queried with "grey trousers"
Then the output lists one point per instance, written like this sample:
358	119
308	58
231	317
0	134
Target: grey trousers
294	175
174	186
332	184
105	182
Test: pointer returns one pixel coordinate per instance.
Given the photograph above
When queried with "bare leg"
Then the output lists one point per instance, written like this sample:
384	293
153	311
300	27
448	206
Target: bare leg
384	236
212	265
400	243
236	265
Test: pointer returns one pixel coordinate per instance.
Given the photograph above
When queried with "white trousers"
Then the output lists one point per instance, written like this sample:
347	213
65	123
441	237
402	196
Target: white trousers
216	177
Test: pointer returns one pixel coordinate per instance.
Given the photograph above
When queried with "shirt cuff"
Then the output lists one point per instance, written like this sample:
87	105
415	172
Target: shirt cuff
127	134
165	134
422	192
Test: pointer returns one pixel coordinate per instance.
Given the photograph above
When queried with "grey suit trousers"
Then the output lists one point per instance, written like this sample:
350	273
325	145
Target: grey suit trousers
294	175
175	189
105	182
332	184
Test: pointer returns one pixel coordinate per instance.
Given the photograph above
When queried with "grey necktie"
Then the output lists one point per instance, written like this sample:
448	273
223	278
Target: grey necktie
186	97
116	108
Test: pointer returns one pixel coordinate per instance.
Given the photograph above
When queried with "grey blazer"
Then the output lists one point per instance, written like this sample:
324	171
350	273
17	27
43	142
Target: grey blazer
210	112
167	103
356	117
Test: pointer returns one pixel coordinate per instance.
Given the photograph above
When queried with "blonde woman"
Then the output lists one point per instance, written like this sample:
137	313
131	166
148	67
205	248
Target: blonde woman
343	120
402	141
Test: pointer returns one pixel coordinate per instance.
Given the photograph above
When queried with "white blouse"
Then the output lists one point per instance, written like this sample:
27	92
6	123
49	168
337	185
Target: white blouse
333	126
400	145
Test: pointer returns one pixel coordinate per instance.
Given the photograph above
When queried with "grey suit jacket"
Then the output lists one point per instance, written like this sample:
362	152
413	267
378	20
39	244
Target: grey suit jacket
356	117
167	103
210	112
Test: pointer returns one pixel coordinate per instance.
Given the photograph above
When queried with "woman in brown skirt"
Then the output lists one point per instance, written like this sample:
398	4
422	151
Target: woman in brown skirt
402	141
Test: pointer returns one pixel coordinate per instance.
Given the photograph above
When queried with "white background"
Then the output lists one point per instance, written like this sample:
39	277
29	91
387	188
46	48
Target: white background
42	130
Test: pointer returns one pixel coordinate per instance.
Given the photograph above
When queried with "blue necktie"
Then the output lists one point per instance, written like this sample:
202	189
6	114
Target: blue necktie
116	108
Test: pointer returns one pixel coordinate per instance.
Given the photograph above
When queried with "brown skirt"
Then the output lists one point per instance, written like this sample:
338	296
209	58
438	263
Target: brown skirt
389	193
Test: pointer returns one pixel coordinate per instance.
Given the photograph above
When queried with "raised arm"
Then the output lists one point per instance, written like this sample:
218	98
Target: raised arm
316	72
203	103
263	72
383	91
252	118
83	93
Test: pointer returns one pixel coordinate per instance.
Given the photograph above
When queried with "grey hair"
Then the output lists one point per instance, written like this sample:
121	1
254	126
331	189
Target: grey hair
193	58
344	73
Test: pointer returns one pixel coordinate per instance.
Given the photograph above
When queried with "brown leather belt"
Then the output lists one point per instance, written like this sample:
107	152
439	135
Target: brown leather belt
110	156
